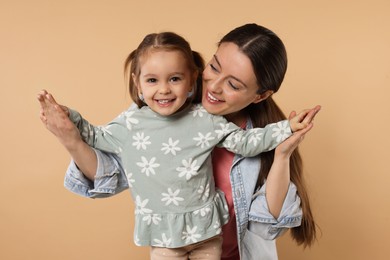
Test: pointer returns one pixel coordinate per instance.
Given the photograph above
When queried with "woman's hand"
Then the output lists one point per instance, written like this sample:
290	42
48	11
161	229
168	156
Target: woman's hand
278	179
286	148
56	119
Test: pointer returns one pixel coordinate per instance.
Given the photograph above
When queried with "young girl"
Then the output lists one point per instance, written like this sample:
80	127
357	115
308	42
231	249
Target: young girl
165	148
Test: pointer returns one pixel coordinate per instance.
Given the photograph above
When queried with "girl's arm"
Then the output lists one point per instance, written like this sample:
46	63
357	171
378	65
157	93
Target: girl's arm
254	141
56	120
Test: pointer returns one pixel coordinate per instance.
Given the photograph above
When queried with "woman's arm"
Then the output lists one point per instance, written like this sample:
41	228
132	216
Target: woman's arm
110	178
278	180
55	118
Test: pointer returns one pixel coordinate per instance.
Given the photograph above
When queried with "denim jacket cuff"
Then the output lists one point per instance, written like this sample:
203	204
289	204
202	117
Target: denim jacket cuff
109	180
264	223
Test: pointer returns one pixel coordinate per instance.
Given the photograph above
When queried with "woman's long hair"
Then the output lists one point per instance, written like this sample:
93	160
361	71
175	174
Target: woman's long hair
269	60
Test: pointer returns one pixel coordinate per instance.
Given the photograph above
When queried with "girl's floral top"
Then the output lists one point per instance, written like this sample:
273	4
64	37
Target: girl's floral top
168	167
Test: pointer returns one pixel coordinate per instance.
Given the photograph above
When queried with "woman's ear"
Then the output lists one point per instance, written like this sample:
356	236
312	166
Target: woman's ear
263	96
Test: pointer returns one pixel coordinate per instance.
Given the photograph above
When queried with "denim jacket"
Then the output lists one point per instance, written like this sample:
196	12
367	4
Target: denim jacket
256	227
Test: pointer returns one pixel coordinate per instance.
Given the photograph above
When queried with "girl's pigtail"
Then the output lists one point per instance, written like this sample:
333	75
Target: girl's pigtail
130	68
199	62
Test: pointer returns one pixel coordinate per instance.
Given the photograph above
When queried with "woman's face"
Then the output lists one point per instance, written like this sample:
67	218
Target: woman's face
229	83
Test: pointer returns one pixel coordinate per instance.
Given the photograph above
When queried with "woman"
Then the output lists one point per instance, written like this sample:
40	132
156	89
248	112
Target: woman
266	194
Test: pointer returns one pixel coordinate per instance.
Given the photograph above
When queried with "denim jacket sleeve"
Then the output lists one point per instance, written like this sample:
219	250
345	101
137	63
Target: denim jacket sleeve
264	224
110	178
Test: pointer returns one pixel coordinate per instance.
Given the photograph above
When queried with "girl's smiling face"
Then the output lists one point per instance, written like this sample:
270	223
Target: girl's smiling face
164	81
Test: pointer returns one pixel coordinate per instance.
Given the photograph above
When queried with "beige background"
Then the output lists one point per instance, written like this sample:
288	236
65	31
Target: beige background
339	57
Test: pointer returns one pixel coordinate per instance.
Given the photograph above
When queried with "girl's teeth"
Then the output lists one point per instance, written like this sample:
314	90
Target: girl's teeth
163	101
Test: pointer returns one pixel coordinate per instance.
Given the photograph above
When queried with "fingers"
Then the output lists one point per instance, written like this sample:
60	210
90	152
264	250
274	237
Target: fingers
48	102
59	108
303	131
43	119
50	110
311	114
292	115
51	99
41	98
298	136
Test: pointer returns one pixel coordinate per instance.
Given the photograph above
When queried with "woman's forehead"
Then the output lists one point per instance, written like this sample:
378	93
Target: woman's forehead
233	61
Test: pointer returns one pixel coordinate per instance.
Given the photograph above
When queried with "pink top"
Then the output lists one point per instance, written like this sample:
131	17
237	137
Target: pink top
222	163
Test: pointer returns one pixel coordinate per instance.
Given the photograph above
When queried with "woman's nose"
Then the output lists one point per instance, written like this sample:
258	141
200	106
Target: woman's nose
214	85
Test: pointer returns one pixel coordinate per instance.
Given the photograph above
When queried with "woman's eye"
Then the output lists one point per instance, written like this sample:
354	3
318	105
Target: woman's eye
213	67
233	86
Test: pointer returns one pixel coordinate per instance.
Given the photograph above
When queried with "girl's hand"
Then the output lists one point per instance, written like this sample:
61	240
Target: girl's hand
56	119
305	119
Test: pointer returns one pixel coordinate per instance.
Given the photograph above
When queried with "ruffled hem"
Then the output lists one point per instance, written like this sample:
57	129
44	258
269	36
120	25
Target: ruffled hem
181	229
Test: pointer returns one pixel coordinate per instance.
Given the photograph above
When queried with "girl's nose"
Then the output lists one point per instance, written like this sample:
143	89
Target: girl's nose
165	88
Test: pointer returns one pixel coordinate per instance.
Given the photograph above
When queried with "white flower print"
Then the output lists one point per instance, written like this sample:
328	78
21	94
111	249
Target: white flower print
190	236
217	227
203	140
152	218
189	169
198	110
238	137
130	180
255	138
203	211
171	197
129	120
171	147
204	192
141	141
164	242
282	131
140	206
224	130
148	167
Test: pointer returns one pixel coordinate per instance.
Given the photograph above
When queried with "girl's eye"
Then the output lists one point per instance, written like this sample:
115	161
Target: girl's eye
151	80
175	79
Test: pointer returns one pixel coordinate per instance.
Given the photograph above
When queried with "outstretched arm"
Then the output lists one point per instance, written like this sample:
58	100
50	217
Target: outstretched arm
278	180
55	118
